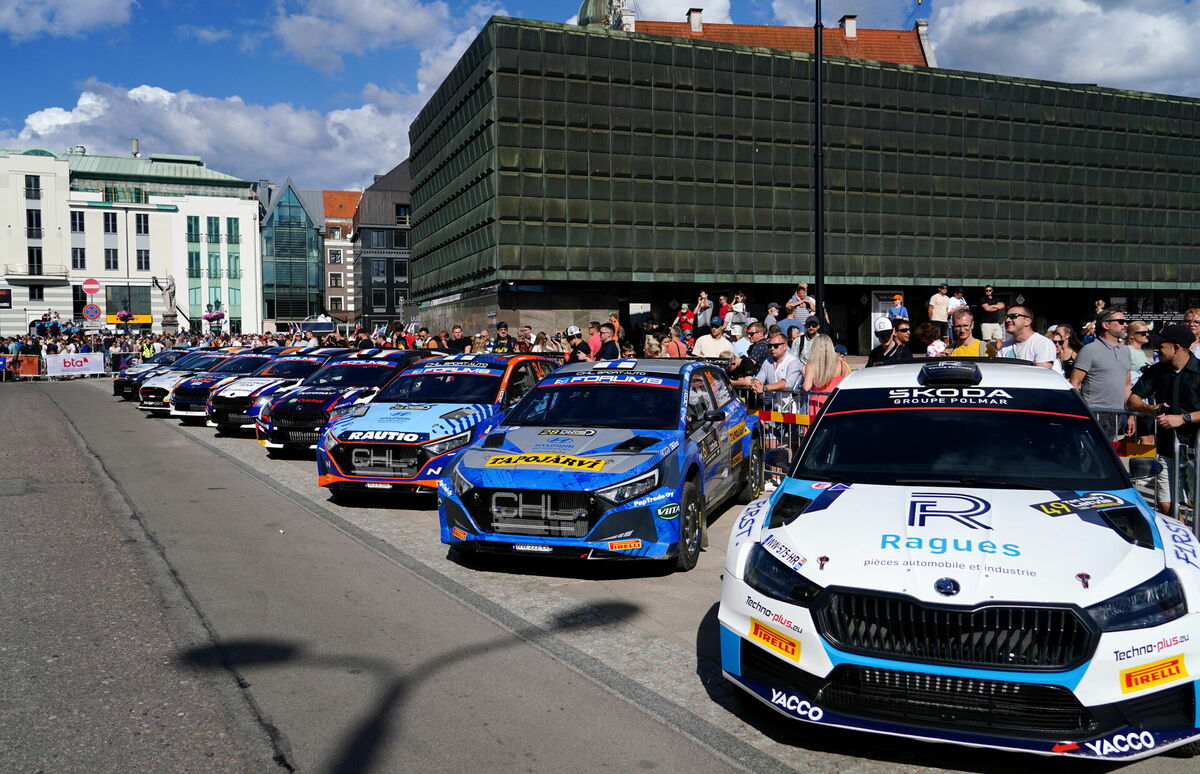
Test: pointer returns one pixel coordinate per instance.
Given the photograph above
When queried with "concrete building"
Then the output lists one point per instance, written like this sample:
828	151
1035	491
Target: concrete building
381	245
132	223
293	230
563	171
341	299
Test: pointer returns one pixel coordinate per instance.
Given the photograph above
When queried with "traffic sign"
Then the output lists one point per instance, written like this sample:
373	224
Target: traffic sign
92	312
91	287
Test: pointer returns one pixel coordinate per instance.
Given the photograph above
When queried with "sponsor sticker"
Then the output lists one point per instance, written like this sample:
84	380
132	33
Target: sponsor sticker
533	547
410	407
961	508
1150	675
783	552
624	545
579	432
459	533
668	511
796	704
1166	643
738	432
772	616
1119	744
1183	543
750	516
1088	502
776	641
567	461
950	396
394	436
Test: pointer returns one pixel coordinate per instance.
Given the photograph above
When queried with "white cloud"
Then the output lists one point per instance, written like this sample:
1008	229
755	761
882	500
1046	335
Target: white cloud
27	19
340	149
204	34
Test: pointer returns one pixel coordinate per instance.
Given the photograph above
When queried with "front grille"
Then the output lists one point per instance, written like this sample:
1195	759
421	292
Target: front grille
1047	711
393	461
230	404
527	512
998	637
305	419
194	395
153	396
230	411
307	437
230	417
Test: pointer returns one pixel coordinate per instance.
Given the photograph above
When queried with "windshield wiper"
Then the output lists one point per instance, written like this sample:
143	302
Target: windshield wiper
980	482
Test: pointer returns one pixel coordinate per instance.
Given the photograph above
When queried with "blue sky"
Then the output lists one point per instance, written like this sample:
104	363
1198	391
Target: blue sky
324	90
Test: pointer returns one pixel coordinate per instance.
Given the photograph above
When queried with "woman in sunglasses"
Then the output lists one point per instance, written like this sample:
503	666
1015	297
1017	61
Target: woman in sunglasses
1066	346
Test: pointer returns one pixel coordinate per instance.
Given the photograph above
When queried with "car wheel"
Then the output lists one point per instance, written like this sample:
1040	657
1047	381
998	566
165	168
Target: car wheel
691	525
754	476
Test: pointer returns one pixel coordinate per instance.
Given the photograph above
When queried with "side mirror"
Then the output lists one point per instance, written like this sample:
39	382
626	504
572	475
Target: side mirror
717	415
1144	468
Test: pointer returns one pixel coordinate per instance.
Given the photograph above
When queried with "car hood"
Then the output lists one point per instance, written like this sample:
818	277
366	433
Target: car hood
252	386
997	544
313	398
431	420
200	382
558	456
139	369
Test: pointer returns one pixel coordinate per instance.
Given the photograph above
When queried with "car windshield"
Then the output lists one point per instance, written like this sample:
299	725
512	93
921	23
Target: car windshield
441	388
203	362
167	357
968	447
242	365
625	406
296	369
360	374
187	360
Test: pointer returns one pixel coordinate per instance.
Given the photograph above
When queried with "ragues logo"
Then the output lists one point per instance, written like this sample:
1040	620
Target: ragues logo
962	508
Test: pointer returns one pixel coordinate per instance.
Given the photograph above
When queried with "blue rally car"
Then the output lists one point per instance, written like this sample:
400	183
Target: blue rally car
614	459
234	403
189	397
413	429
294	420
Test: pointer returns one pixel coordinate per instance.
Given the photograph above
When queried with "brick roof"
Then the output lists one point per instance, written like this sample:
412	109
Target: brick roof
900	46
340	204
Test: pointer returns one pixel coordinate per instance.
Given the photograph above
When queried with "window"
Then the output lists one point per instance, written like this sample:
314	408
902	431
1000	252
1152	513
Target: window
335	232
135	299
335	279
379	269
193	270
400	239
193	228
400	299
33	224
335	256
143	260
335	304
214	264
76	222
233	230
400	269
33	257
142	223
214	229
78	258
33	187
379	299
37	293
110	258
235	268
402	215
110	223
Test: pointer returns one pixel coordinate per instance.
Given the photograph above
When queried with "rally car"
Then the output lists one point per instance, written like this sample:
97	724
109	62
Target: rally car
959	556
233	403
124	385
617	459
412	430
294	420
153	392
188	399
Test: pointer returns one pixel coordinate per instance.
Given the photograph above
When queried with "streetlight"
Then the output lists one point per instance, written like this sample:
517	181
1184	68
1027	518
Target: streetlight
819	169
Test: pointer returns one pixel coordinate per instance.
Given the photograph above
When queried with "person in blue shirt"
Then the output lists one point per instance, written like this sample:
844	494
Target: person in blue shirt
898	311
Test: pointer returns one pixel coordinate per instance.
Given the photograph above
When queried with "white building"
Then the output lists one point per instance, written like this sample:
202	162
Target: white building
134	224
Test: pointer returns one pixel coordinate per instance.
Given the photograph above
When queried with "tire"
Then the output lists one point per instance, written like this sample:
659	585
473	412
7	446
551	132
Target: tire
754	477
691	528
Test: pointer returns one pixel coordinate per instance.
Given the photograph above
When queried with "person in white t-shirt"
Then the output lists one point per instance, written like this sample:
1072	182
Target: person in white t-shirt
714	344
1024	343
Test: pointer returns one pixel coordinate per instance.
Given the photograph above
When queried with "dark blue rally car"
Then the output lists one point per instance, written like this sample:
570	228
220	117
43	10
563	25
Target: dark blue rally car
294	420
614	459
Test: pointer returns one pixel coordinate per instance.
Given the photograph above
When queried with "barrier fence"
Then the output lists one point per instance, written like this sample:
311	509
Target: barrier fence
47	367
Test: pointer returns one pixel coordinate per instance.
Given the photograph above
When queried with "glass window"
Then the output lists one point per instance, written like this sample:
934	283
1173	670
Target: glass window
143	260
402	214
400	239
193	228
233	230
335	256
193	269
335	232
401	297
378	269
214	229
76	222
335	304
379	299
400	269
37	293
33	187
142	223
110	223
78	258
235	268
111	262
33	256
335	279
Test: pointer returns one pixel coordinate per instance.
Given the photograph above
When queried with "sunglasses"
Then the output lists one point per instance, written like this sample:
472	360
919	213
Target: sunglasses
1058	342
1120	320
903	330
780	344
1015	315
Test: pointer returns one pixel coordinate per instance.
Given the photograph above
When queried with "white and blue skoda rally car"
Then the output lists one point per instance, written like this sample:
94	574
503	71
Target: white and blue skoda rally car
233	404
294	420
959	556
617	459
124	385
413	429
153	391
189	397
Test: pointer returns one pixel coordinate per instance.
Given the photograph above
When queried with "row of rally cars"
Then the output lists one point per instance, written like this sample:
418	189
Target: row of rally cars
957	554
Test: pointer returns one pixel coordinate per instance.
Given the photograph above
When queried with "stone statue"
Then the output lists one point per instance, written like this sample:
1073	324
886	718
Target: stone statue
168	293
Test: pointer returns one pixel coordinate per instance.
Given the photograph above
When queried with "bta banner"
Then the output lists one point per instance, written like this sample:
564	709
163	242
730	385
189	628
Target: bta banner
64	365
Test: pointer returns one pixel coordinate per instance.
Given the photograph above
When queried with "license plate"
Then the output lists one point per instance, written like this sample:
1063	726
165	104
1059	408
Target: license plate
379	486
532	547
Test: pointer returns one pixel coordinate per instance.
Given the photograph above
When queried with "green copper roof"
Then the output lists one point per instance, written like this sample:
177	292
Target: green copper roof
158	167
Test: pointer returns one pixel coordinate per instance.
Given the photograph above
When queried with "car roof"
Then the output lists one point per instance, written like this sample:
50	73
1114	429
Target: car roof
994	373
494	360
666	366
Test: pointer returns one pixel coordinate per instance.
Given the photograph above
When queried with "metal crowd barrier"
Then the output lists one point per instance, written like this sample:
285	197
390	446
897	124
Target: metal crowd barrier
786	417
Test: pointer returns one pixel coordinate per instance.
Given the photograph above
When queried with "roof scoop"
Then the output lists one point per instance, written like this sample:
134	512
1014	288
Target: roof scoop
954	372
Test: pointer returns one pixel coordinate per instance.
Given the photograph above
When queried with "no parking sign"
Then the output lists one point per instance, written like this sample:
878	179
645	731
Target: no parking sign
91	312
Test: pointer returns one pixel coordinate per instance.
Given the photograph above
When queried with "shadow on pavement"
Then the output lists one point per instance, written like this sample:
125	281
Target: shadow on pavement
859	744
361	748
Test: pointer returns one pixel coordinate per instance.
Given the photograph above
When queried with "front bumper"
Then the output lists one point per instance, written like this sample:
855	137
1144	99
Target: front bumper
193	410
628	531
773	651
270	437
426	471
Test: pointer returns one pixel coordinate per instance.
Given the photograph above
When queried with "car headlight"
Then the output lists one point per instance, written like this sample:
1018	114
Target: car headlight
331	442
1154	602
446	444
459	482
767	575
627	490
351	410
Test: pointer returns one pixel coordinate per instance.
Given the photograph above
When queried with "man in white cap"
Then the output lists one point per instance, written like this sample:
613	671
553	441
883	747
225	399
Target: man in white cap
579	351
893	338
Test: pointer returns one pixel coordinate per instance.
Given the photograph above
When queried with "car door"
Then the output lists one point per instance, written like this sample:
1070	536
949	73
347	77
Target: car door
736	429
707	434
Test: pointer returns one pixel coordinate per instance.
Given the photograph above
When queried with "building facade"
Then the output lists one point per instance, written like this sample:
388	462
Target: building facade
569	168
133	225
381	245
340	296
293	228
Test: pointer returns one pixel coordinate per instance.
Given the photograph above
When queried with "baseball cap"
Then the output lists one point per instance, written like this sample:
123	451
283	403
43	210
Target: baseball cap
897	297
500	325
841	349
573	330
1174	334
812	322
773	305
883	325
716	322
